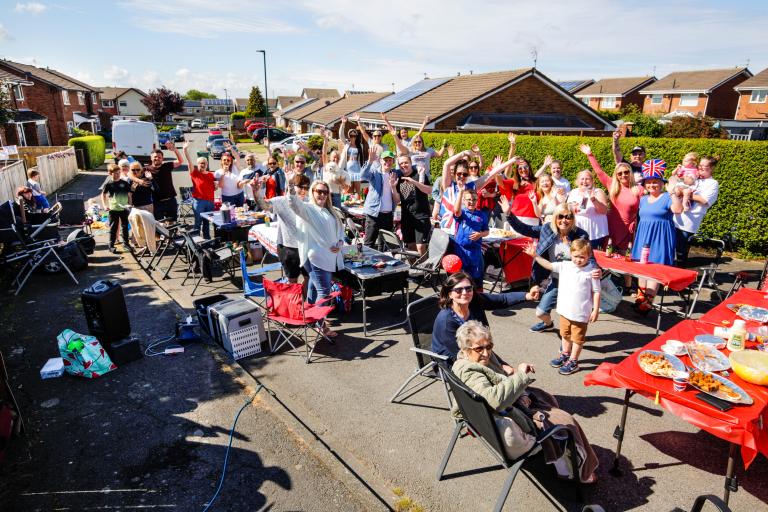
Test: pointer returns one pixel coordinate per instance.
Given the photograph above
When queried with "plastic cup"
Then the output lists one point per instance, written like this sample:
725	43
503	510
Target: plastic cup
680	381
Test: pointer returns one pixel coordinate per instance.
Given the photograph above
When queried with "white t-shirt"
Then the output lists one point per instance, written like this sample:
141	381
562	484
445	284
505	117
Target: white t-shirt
422	158
229	183
576	285
386	194
691	220
562	183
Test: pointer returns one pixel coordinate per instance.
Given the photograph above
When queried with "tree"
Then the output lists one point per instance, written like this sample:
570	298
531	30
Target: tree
255	107
195	95
162	102
5	106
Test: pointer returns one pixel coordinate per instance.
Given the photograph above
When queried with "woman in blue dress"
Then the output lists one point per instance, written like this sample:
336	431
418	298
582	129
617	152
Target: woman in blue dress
471	227
655	229
352	155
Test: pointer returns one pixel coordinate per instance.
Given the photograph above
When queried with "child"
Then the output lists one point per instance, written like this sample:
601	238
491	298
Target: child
577	307
41	202
471	227
118	192
687	186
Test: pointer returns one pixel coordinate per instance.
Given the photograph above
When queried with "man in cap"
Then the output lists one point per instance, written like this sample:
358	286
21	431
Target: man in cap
380	203
635	161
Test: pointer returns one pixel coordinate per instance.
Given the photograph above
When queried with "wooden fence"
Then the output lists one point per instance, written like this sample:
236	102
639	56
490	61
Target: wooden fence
12	176
30	153
57	169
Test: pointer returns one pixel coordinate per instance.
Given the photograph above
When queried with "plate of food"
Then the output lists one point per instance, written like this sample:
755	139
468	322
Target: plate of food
705	356
719	387
501	233
710	339
659	364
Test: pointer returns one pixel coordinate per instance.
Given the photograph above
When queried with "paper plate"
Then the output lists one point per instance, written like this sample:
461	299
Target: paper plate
710	339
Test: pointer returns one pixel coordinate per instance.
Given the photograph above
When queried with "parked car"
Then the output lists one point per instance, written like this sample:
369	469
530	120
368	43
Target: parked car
222	125
212	138
197	123
218	147
214	131
275	134
290	143
137	138
176	135
255	126
163	137
183	126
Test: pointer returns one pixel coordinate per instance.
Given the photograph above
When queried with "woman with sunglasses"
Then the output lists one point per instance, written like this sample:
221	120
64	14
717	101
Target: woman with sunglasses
229	181
550	196
288	231
460	302
274	179
352	154
554	244
591	207
521	407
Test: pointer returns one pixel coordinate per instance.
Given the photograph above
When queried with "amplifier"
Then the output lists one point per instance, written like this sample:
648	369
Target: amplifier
105	311
238	326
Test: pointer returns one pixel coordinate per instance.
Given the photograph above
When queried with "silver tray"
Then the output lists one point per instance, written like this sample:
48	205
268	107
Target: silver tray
706	357
674	361
744	398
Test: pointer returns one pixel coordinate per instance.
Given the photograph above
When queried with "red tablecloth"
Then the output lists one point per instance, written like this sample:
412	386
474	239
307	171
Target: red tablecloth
517	264
746	426
721	312
670	277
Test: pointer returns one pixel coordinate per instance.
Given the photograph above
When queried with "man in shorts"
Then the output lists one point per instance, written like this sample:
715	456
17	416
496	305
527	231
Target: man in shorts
412	192
165	204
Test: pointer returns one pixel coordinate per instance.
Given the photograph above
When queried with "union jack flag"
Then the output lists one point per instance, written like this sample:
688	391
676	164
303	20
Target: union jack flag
654	168
447	222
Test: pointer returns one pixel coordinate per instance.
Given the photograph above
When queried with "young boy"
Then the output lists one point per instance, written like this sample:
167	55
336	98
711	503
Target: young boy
115	197
471	227
33	177
577	303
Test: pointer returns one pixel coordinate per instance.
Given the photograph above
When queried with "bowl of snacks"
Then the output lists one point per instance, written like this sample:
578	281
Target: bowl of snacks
751	365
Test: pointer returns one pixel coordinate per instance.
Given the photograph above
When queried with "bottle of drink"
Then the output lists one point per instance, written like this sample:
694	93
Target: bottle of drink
628	254
645	254
267	220
738	336
609	249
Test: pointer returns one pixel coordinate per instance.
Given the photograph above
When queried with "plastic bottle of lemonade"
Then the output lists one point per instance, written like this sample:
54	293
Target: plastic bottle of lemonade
738	336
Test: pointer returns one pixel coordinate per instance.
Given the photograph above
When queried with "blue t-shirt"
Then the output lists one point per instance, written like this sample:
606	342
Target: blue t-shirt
469	222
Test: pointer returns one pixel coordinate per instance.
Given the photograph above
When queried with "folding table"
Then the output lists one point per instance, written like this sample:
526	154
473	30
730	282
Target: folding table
514	262
266	236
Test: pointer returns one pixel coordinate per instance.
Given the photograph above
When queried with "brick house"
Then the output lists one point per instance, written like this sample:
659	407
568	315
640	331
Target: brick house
330	116
708	92
615	93
295	118
753	98
26	127
522	100
65	102
123	101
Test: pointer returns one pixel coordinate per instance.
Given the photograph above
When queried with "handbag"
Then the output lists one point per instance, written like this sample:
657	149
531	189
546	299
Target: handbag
610	295
83	355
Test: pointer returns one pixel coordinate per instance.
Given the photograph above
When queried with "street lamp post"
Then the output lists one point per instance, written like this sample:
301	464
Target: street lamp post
266	94
226	105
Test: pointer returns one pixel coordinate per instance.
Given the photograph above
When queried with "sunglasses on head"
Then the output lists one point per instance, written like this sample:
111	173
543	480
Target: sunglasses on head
566	217
462	289
482	348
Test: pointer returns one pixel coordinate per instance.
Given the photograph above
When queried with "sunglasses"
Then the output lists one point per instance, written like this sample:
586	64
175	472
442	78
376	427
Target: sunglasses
321	191
302	162
303	187
473	167
418	142
565	217
462	174
462	289
623	173
483	348
523	167
271	163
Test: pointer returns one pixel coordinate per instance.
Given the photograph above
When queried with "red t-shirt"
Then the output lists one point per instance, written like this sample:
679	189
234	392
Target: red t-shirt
203	185
487	203
270	187
521	203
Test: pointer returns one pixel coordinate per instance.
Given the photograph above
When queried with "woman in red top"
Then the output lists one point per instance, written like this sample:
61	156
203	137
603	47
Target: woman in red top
520	190
203	187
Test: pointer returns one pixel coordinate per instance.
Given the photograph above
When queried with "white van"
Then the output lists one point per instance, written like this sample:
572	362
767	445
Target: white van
137	138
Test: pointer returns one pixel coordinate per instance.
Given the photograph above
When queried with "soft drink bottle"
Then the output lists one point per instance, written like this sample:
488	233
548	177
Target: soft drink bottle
645	254
609	249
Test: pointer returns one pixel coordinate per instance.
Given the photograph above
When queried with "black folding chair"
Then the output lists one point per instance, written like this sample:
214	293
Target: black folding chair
206	255
745	276
391	243
707	275
479	422
185	209
427	268
421	318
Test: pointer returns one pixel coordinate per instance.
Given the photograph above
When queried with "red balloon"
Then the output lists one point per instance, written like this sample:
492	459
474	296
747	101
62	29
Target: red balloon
451	263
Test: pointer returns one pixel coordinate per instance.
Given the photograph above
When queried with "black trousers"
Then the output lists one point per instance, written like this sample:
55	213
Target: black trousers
115	219
374	224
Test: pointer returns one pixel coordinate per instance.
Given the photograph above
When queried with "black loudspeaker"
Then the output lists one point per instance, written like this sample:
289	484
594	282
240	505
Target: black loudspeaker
85	240
72	212
105	311
124	351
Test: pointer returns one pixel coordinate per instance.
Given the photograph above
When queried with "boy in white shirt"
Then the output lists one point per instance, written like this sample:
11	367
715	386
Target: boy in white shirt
578	302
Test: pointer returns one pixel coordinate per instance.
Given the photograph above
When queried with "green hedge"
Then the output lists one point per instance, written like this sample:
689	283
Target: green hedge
93	147
237	115
741	210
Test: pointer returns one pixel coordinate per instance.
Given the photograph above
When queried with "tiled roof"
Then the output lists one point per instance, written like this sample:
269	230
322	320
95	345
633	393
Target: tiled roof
345	106
449	96
692	81
50	76
615	86
112	93
287	100
241	101
311	107
12	78
759	81
320	93
272	103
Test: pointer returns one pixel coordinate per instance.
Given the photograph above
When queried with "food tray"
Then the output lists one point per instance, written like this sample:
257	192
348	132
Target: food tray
675	365
710	339
743	397
706	357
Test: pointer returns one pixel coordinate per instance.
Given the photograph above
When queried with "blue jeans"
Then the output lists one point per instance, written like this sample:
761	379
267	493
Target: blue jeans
336	200
319	283
201	206
548	299
236	200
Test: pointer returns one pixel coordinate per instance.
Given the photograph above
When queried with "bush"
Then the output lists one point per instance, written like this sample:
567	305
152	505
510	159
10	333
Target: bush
694	127
645	125
237	115
93	147
611	115
77	132
145	117
315	142
742	208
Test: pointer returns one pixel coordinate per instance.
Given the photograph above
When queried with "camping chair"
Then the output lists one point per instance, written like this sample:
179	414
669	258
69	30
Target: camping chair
251	288
391	243
427	267
296	320
185	209
421	318
479	422
747	275
169	240
220	259
707	274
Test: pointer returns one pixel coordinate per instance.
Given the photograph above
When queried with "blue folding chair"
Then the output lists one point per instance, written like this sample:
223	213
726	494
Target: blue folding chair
252	288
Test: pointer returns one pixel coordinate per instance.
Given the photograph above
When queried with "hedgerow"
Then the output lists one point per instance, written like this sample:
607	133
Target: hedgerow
93	147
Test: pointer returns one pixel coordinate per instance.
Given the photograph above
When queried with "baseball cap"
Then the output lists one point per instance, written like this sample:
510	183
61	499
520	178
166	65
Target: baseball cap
638	148
387	154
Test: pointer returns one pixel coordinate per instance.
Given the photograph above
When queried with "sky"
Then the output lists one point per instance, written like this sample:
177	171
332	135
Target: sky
365	46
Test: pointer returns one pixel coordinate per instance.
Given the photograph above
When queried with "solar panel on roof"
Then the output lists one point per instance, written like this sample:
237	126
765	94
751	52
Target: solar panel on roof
407	94
569	85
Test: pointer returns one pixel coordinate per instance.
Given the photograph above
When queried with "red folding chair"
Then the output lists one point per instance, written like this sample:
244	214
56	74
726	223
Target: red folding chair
296	320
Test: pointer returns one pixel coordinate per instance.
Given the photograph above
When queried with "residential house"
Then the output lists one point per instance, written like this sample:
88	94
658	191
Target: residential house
285	106
753	98
615	93
123	101
330	116
283	102
192	109
217	109
574	86
295	118
707	92
64	101
26	127
319	93
241	104
522	100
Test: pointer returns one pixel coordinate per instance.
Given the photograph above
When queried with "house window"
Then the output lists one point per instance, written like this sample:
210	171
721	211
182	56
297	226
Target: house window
95	99
585	100
608	102
758	96
81	98
689	100
65	96
108	103
123	103
70	127
18	93
656	99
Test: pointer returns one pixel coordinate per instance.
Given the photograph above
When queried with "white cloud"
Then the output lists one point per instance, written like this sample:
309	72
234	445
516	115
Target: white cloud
182	73
83	76
4	34
30	7
115	75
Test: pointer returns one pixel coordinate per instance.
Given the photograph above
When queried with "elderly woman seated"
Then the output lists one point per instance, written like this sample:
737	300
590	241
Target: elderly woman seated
519	407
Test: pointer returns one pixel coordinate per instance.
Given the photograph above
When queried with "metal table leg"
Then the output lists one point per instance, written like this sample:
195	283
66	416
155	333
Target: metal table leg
731	481
365	321
619	433
661	307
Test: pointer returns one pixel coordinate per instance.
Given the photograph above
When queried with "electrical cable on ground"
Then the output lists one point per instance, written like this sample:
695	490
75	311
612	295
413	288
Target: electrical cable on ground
229	446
